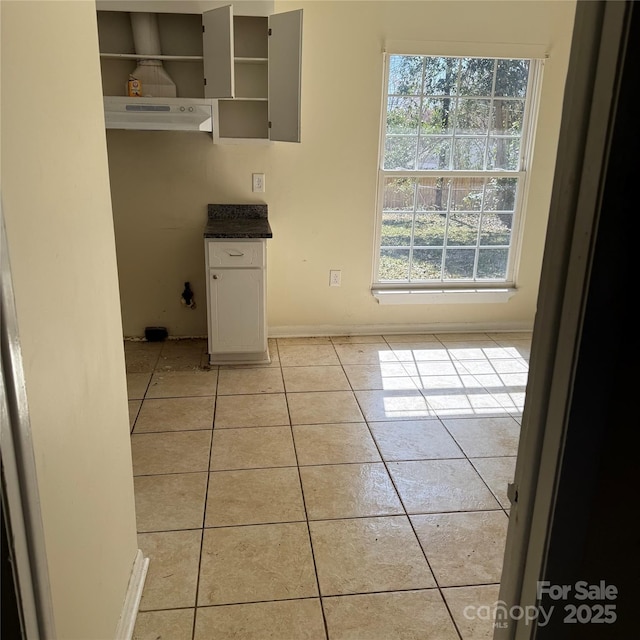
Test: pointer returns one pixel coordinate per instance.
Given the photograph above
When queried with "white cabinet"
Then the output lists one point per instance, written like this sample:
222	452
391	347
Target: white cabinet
252	64
236	278
248	65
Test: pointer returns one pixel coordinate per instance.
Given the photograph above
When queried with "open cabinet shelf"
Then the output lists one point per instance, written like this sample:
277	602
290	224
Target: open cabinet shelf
249	66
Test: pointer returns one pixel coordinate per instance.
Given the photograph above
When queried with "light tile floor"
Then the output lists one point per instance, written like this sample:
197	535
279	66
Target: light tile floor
353	488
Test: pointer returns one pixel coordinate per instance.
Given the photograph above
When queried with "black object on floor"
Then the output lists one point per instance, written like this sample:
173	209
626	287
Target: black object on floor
155	334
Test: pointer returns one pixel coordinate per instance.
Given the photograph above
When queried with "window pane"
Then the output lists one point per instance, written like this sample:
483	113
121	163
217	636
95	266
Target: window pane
433	194
472	116
458	264
492	263
396	229
434	152
400	152
508	116
441	76
504	153
476	77
403	115
427	264
500	194
469	153
466	194
512	77
429	229
463	229
437	116
405	75
457	116
399	194
496	228
394	264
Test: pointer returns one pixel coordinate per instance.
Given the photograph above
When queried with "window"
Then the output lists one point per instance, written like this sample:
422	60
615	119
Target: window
452	171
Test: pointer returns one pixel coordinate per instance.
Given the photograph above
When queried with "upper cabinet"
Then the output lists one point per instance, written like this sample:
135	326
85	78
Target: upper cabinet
180	40
249	65
252	65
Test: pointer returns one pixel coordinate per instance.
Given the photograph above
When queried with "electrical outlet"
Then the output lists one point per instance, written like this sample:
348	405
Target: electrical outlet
258	182
335	278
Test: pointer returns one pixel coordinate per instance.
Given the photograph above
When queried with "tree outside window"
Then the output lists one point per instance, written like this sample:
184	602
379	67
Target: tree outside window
452	168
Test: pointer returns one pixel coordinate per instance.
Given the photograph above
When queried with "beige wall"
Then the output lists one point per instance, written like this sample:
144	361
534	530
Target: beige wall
321	193
61	241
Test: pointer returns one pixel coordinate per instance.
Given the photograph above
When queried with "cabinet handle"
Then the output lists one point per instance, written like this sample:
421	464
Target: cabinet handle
214	276
235	254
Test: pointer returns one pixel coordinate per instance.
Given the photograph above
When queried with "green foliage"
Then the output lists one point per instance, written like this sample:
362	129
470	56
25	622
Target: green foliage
451	113
422	102
426	265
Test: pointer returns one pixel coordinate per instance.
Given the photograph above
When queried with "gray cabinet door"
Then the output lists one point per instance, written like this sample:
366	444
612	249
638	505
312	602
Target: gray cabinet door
285	73
217	51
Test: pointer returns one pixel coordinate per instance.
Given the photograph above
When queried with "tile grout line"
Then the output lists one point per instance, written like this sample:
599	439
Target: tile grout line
460	362
336	519
146	388
133	424
329	596
406	515
299	467
474	376
204	510
468	458
481	478
153	371
306	514
424	553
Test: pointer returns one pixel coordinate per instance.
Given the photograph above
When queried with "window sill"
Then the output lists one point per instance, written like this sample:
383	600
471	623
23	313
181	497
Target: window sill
443	296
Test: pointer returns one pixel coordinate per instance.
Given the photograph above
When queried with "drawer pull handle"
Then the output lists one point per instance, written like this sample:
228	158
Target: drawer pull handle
235	254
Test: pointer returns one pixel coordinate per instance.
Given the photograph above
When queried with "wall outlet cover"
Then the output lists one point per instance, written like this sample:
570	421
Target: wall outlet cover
258	182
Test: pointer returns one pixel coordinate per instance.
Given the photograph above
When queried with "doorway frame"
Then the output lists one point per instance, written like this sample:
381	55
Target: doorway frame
598	52
20	495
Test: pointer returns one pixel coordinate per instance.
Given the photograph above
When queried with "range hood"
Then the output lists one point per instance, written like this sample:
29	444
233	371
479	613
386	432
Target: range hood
158	114
158	108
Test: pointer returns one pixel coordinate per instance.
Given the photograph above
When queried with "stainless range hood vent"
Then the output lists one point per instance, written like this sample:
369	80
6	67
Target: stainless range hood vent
155	81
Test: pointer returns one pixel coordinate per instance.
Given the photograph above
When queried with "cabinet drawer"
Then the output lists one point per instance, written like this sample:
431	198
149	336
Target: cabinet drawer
236	254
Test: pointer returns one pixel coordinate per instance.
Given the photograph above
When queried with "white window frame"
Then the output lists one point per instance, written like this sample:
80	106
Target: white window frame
465	291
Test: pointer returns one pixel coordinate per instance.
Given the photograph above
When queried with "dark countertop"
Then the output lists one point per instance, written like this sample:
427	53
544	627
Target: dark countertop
237	221
238	228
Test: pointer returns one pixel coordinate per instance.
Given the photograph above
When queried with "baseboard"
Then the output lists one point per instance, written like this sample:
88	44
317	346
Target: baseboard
390	329
303	331
167	339
127	620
